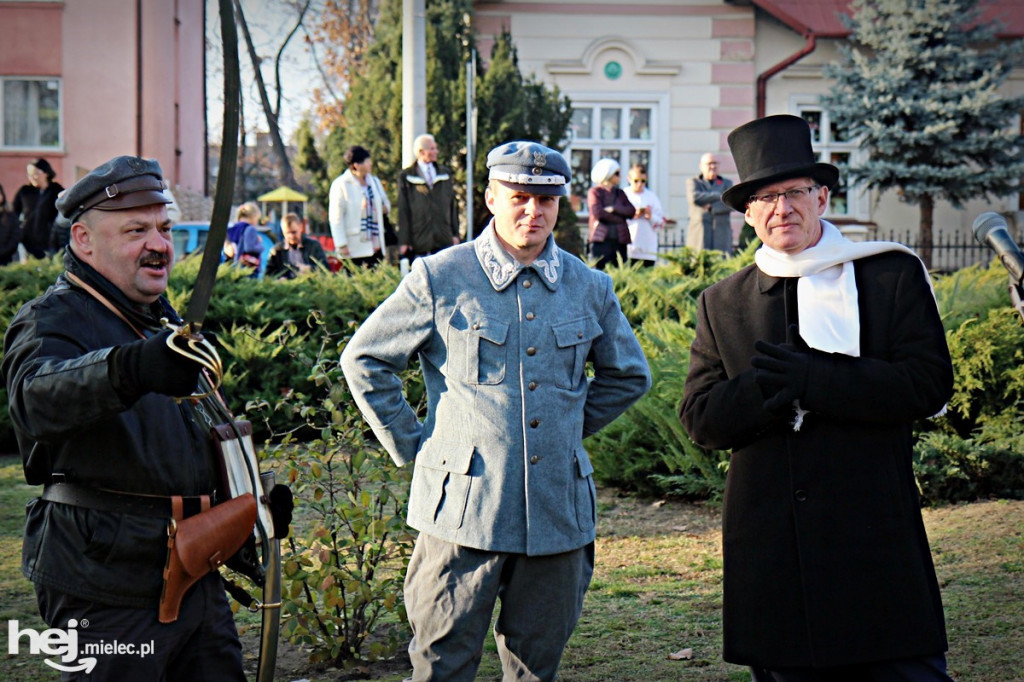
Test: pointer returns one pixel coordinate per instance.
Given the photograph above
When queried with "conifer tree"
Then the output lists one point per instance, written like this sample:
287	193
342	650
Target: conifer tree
314	170
918	85
509	106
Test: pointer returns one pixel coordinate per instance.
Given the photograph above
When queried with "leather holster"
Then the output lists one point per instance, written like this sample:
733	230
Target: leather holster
200	544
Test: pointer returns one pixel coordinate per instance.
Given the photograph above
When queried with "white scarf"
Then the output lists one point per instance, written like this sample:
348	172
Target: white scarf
826	292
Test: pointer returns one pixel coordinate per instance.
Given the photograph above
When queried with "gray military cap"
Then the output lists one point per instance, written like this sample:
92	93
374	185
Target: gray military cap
123	182
530	167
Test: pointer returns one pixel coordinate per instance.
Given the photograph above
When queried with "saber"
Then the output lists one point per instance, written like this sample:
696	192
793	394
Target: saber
187	338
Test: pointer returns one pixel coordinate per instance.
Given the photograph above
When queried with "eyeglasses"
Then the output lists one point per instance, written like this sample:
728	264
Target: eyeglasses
772	198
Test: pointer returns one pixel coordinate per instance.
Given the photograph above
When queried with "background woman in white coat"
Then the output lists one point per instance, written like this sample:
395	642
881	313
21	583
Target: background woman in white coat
356	209
643	245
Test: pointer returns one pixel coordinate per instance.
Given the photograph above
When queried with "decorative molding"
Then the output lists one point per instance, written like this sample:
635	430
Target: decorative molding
586	64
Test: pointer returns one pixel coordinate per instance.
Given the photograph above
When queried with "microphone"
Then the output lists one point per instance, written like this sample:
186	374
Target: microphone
990	228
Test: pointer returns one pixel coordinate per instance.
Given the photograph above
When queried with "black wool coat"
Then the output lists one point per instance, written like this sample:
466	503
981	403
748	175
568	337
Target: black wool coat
826	558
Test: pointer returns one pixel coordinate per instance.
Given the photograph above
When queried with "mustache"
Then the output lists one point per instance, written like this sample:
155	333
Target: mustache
155	258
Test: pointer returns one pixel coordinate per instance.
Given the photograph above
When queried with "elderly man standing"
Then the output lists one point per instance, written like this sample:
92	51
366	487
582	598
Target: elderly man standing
709	218
811	366
428	216
503	491
91	381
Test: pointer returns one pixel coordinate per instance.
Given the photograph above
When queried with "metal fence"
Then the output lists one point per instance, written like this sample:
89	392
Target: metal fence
950	251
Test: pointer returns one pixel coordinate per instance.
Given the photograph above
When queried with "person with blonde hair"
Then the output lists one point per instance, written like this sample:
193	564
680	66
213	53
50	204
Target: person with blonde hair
643	236
244	244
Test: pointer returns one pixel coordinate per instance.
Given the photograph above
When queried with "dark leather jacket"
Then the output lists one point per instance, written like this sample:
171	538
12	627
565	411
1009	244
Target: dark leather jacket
69	420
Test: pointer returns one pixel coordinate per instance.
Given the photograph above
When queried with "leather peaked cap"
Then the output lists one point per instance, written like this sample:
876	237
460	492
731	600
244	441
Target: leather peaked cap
123	182
771	149
529	167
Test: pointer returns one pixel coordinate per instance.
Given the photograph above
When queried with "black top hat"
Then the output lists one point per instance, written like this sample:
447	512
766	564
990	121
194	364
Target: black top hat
770	149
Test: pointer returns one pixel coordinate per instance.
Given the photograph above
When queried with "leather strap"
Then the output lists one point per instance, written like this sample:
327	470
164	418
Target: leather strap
126	503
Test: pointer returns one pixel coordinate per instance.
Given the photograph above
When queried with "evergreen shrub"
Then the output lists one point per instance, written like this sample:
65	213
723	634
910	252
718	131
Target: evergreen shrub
264	328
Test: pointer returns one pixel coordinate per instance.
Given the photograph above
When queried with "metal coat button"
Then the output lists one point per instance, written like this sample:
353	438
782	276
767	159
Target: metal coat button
531	351
532	386
535	423
800	495
534	459
527	284
530	316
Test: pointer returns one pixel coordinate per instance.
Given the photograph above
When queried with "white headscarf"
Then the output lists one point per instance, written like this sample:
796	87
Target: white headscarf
603	169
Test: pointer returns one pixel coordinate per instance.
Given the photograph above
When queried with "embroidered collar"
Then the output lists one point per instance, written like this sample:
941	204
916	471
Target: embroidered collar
502	269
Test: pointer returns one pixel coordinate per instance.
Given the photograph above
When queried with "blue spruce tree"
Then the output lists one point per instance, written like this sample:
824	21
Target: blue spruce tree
918	84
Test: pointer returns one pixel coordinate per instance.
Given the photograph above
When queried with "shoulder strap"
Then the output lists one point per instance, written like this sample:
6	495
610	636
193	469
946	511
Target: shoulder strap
102	299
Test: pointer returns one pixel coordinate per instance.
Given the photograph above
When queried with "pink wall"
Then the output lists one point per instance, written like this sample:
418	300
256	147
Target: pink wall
30	38
94	46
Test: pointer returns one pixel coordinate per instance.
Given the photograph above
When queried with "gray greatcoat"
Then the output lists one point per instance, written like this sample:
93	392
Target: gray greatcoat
710	226
826	558
500	463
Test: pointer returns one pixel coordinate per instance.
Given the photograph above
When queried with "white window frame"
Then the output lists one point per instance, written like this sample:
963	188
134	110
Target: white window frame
858	201
657	103
37	144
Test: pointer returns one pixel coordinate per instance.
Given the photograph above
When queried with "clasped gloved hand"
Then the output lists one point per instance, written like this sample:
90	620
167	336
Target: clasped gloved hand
781	371
149	366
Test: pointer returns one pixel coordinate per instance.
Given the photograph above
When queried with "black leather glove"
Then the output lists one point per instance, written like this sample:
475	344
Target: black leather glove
781	371
149	366
281	506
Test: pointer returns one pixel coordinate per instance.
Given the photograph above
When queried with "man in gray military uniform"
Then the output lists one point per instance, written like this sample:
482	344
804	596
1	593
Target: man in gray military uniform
503	492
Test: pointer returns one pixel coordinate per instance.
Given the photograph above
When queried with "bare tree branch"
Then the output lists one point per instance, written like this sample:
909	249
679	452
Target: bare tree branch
286	175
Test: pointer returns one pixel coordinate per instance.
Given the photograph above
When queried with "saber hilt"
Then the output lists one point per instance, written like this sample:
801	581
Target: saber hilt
188	341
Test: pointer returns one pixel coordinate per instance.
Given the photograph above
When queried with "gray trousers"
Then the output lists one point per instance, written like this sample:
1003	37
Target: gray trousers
450	593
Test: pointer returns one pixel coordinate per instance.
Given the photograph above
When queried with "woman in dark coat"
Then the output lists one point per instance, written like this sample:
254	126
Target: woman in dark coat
39	215
10	231
610	209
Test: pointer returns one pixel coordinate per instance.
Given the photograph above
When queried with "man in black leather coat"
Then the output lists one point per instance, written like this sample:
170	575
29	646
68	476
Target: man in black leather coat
90	380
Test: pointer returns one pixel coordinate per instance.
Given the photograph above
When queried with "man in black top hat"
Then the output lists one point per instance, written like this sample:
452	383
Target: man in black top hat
92	386
811	366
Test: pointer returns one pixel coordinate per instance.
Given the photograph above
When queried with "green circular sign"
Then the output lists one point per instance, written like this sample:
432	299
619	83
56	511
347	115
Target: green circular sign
612	70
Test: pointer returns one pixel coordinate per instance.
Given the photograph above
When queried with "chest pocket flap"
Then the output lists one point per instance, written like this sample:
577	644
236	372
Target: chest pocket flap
481	348
573	340
575	332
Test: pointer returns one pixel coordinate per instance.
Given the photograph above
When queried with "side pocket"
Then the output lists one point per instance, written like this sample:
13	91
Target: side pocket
586	493
446	469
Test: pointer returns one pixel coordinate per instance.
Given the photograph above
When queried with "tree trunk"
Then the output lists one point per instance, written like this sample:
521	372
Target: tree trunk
925	229
287	177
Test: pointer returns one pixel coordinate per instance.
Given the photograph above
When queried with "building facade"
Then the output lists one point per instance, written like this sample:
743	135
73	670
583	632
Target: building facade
82	81
664	81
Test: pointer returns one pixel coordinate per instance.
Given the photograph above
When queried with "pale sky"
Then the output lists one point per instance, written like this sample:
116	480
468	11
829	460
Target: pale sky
269	22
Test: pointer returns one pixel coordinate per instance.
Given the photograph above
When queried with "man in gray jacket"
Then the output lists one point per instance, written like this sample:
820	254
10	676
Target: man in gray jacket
503	492
709	218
